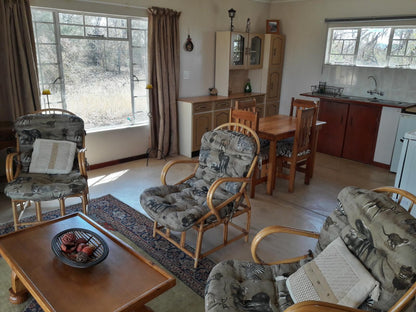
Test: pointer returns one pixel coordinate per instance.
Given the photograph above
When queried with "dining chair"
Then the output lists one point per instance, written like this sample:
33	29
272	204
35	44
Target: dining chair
246	105
249	117
297	103
49	162
297	154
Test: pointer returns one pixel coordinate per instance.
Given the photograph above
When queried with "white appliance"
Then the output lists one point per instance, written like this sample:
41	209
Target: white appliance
407	122
406	171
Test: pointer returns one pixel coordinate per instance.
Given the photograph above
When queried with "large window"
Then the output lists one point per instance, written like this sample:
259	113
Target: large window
93	65
378	46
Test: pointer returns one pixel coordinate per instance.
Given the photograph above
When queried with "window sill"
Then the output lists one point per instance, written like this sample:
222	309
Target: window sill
119	127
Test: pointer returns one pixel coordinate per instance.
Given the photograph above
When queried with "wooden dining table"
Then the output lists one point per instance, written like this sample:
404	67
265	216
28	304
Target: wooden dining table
275	128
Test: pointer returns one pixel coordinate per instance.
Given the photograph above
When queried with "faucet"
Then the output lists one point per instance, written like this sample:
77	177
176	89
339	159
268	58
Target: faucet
375	90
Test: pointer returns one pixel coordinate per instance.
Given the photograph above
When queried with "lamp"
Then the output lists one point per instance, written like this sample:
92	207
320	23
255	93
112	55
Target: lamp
231	14
46	92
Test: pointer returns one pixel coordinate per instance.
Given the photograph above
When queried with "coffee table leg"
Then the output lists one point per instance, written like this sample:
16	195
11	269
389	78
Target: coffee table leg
18	292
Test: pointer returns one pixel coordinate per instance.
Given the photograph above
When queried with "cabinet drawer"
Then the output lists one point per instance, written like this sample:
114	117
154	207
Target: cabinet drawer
202	107
222	105
259	99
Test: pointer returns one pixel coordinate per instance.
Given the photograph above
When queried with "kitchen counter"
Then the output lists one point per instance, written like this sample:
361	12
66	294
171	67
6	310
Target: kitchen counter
213	98
361	100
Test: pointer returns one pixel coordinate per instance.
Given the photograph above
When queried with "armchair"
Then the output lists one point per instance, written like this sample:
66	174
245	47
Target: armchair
24	185
212	195
366	221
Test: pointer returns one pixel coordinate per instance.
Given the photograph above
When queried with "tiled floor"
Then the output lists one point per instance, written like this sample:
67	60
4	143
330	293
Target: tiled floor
306	208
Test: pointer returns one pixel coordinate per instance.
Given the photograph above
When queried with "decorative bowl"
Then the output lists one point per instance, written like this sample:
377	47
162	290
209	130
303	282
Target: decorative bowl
69	258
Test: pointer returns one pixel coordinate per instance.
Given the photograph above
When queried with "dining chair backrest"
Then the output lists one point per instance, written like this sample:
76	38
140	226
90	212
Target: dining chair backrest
249	105
244	117
305	128
298	103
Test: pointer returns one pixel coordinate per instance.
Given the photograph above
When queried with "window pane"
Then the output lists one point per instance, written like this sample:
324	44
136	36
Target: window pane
349	47
345	34
44	33
48	74
69	30
372	49
47	53
97	81
139	38
336	47
95	20
404	33
41	15
398	47
139	23
117	33
341	59
96	31
411	48
117	22
65	18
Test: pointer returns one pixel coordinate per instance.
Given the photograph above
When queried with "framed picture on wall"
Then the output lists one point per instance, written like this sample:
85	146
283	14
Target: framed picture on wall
272	27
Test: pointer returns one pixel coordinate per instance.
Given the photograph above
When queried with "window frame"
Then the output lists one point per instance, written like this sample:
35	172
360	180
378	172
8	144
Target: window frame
59	62
359	27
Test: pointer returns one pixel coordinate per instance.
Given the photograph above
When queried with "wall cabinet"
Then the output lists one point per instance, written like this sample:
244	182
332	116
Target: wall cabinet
351	130
246	50
198	115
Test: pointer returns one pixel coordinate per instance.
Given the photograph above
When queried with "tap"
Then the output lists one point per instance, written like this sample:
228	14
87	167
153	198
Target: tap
375	90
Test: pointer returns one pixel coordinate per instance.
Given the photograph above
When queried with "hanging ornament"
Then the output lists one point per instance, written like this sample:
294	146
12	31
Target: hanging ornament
189	46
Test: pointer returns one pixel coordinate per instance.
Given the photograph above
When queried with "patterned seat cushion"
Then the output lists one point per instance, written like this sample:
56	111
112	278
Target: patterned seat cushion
223	154
236	286
285	147
43	187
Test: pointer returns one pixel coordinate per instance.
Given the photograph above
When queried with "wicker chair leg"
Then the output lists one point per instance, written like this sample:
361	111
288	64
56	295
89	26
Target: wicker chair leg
62	206
15	215
38	211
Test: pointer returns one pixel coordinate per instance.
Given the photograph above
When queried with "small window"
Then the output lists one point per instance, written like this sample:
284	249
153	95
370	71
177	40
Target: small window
376	46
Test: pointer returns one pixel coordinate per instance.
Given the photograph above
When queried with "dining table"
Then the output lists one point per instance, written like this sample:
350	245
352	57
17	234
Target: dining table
278	127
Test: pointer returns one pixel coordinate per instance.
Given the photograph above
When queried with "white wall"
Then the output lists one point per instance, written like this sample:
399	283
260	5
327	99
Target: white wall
303	24
201	18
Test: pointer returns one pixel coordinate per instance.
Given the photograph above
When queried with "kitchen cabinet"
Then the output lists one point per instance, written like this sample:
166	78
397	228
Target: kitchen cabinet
197	115
272	71
351	130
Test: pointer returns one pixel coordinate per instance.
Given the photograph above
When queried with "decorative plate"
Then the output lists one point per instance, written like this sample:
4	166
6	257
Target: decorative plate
73	258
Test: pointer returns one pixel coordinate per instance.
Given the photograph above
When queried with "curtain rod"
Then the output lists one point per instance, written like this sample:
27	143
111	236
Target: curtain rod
370	19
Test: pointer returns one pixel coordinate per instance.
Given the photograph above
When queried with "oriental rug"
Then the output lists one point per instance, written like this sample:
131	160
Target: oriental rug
136	229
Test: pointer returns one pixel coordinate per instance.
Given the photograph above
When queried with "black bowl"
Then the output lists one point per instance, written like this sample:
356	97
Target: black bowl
99	254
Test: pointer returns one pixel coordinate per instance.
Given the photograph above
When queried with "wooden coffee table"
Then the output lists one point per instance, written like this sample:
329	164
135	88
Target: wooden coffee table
124	281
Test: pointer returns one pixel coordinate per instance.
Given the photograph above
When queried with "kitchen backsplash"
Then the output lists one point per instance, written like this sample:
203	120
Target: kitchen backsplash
397	84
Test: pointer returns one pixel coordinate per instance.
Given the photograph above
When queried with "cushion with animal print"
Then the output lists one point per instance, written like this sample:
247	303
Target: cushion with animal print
380	233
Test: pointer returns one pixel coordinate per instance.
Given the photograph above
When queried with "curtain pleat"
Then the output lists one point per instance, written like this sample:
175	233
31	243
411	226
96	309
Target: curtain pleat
163	71
19	84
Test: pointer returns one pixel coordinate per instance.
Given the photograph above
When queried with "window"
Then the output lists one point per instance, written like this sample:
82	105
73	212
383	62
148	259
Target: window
94	66
376	46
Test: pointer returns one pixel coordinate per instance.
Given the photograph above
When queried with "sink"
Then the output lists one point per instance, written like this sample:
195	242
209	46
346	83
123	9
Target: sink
374	100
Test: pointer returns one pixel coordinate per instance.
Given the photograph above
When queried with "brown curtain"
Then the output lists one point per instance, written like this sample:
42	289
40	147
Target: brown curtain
19	87
164	77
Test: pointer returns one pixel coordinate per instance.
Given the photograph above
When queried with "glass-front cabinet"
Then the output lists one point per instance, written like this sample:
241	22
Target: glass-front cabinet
246	51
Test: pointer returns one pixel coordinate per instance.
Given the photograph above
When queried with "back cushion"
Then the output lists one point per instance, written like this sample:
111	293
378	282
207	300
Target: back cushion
225	153
381	234
52	126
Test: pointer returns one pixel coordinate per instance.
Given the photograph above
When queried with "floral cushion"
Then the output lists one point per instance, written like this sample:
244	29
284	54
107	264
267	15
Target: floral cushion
285	148
43	187
223	154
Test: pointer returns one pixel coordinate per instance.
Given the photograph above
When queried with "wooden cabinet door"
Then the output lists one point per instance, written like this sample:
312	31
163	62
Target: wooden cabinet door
272	108
201	124
277	48
221	117
238	58
255	51
361	132
273	85
331	136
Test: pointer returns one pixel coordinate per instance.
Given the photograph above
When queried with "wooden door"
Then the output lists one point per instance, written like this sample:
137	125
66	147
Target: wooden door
221	117
331	136
255	51
272	108
273	85
201	124
361	132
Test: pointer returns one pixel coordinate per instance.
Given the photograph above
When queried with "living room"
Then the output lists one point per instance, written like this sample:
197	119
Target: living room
117	156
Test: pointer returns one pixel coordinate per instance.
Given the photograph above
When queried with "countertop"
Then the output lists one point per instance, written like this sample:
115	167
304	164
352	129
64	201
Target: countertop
361	100
213	98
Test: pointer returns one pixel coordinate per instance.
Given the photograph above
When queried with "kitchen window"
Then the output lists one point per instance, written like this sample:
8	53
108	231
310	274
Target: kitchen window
93	65
372	46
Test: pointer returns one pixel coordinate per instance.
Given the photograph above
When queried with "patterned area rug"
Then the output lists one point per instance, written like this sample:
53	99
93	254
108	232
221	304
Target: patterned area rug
116	216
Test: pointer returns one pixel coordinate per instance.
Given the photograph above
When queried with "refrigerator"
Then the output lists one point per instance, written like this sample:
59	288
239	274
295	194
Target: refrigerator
406	171
407	122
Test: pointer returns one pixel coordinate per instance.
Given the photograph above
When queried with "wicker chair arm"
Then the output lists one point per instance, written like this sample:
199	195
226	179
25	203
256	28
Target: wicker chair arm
214	186
278	229
319	306
10	174
401	193
171	163
82	162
